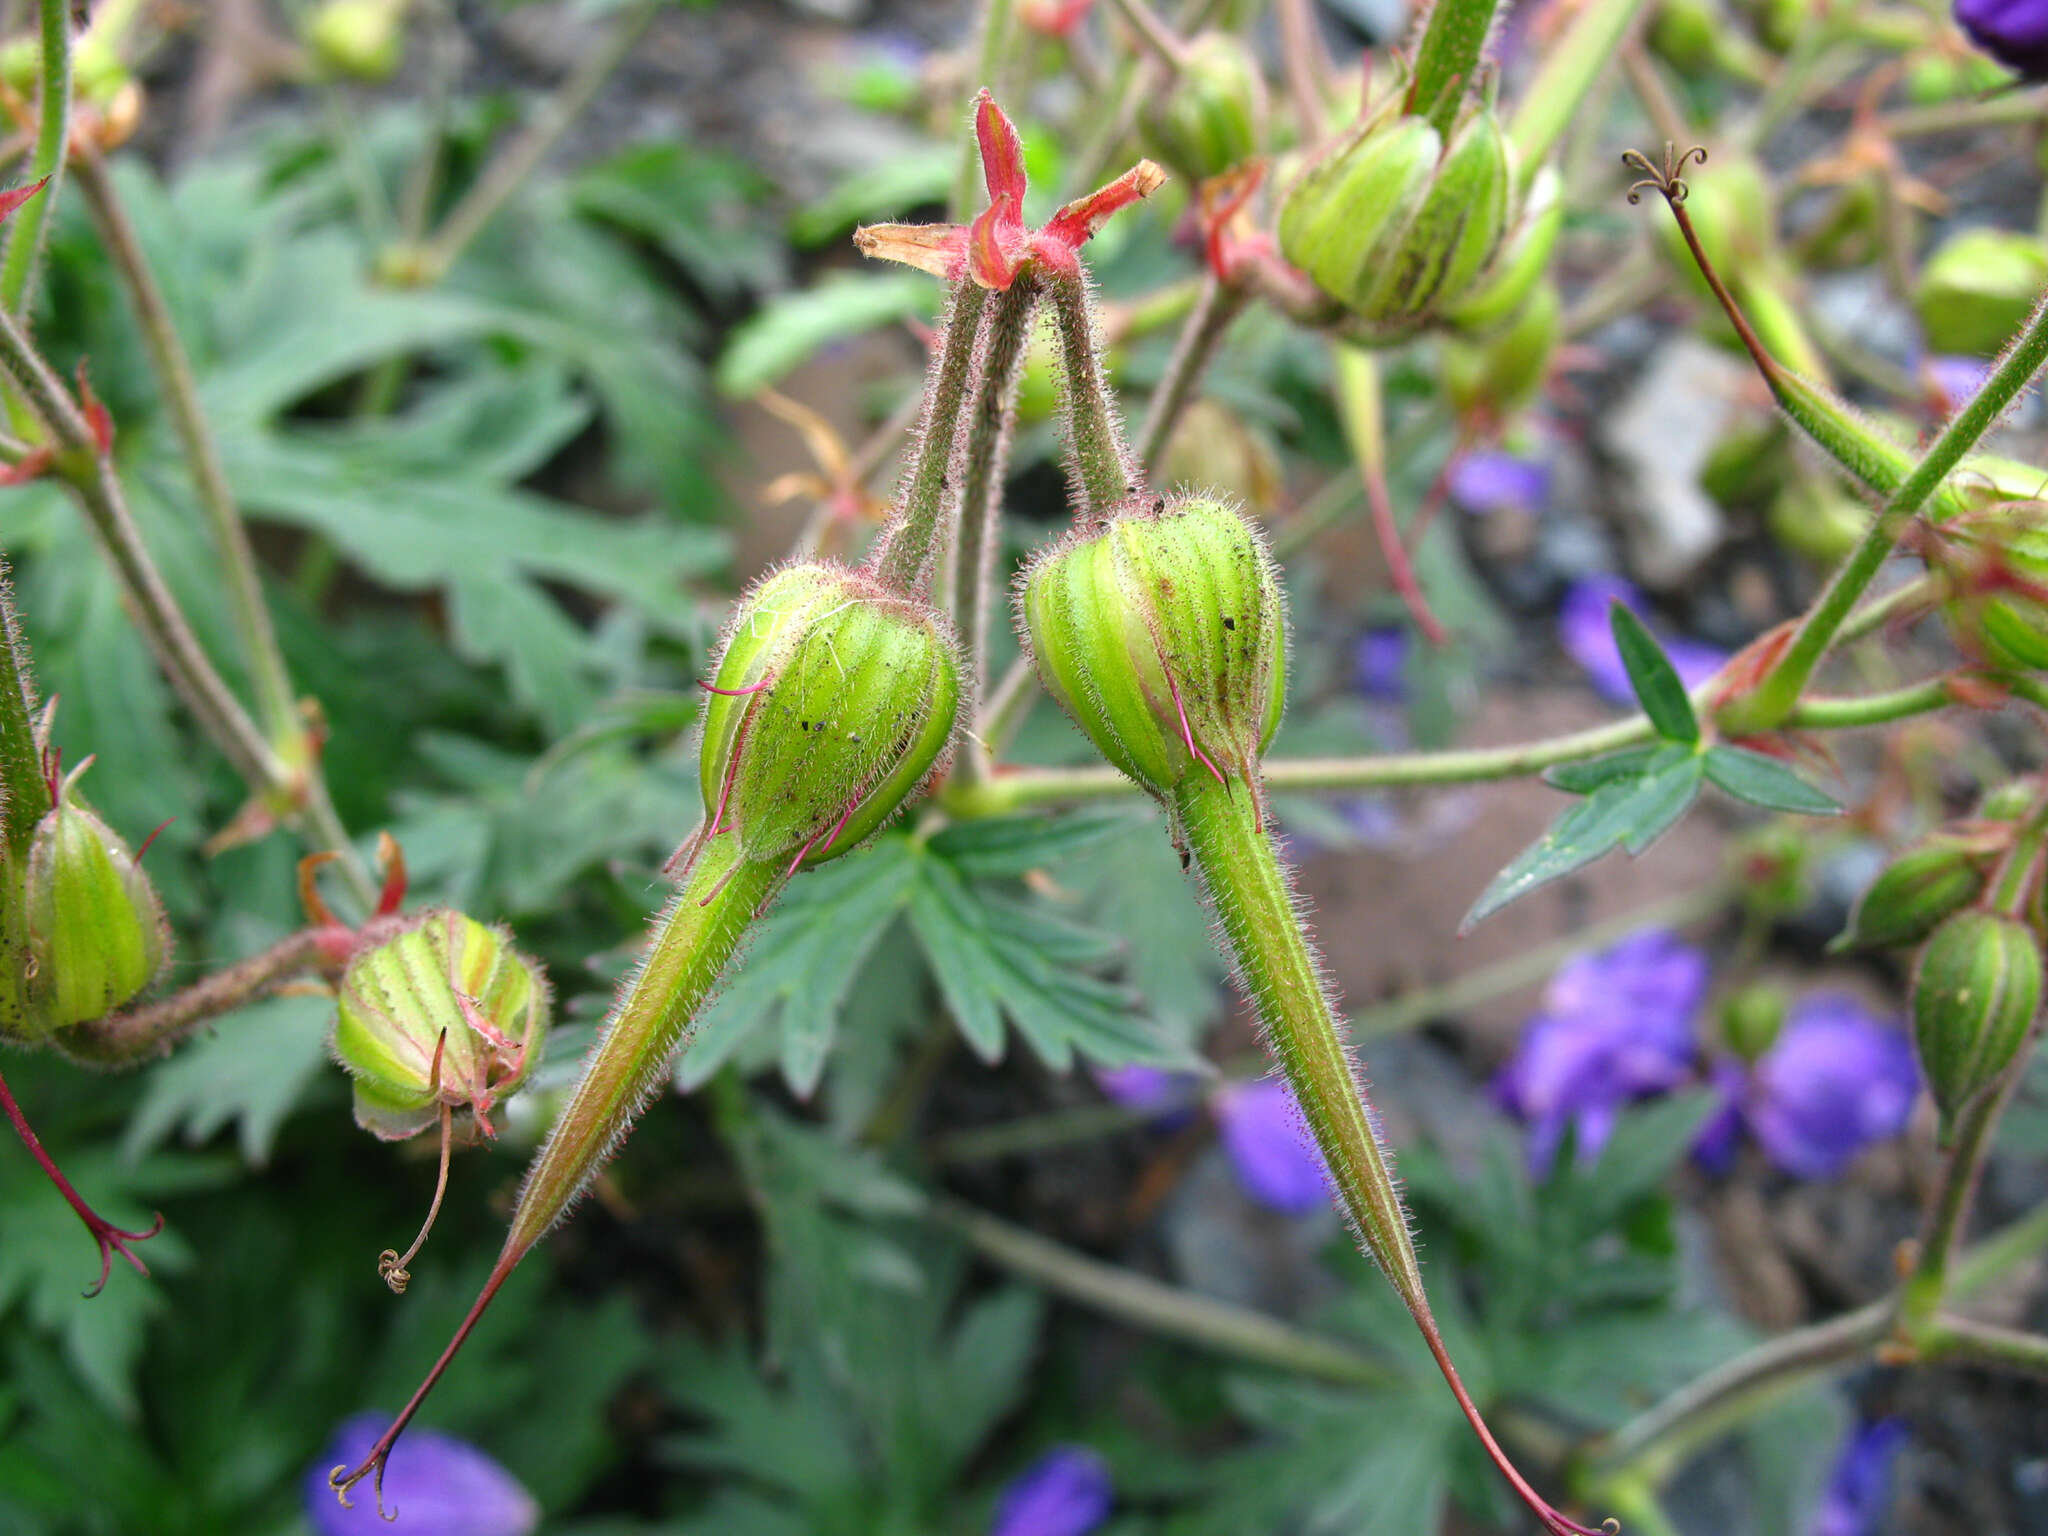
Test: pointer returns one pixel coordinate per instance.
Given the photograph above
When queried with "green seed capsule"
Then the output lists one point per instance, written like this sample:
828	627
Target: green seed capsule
95	931
1819	517
357	39
1163	633
1213	115
833	700
1916	893
1396	224
1502	292
1975	993
1751	1018
2004	576
439	1010
1978	288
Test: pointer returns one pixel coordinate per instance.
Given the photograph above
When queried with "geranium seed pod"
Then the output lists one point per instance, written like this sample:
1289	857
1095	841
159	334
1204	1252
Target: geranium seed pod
437	1009
833	700
1975	992
1163	633
1751	1018
1977	289
1454	234
18	1021
1502	291
1916	893
96	934
1213	115
2000	573
1339	221
357	39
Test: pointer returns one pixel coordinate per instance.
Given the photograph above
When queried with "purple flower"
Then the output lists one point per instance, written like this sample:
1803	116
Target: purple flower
434	1485
1585	628
1066	1492
1379	663
1489	480
1838	1080
1860	1487
1957	379
1616	1026
1717	1141
2014	32
1269	1147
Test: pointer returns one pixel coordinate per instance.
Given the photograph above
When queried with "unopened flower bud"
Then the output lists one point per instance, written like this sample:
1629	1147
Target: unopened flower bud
1975	992
1916	893
2008	801
1751	1018
1213	114
1396	224
1162	633
437	1010
1977	289
96	934
833	700
1215	447
357	39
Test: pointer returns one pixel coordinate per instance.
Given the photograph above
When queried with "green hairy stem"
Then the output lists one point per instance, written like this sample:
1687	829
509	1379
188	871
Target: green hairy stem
694	939
1256	905
1223	823
53	133
24	792
907	554
1098	466
1447	59
979	535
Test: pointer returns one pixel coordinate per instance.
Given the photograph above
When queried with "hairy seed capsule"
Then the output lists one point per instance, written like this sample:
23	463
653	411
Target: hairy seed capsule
833	700
1916	893
1395	223
1212	117
1977	289
95	931
438	1010
1503	288
1163	633
1975	993
2000	572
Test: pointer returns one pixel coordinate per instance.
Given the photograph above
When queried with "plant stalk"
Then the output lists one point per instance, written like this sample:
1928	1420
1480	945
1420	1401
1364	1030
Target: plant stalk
25	241
907	555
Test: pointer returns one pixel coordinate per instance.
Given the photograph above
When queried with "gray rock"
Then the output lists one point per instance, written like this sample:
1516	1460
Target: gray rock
1659	436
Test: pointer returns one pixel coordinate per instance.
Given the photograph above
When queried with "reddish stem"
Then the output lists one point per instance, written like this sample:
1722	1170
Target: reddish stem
1399	571
1550	1518
111	1239
341	1479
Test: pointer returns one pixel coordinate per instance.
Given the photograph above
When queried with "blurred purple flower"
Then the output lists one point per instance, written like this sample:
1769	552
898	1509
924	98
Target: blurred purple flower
1269	1147
2014	32
1491	480
434	1485
1139	1087
1838	1080
1585	628
1616	1026
1958	378
1716	1143
1379	663
1860	1487
1066	1492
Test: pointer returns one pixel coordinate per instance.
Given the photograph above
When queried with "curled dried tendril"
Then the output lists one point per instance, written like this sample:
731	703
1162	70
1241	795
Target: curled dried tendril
1667	180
